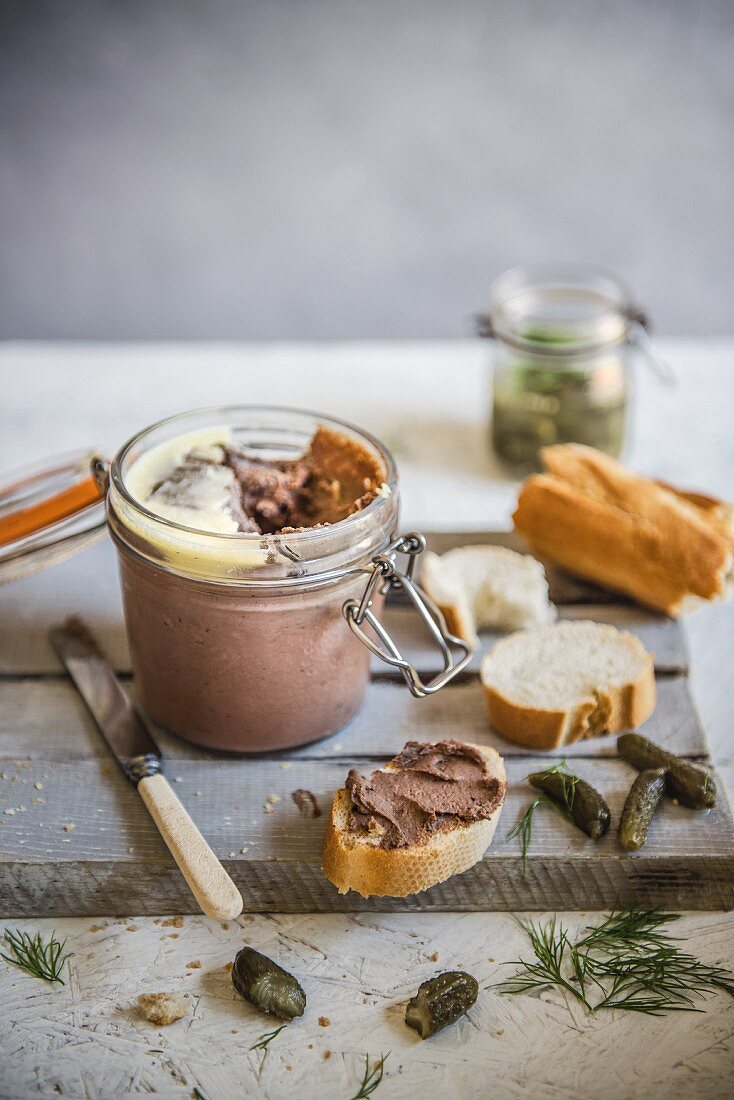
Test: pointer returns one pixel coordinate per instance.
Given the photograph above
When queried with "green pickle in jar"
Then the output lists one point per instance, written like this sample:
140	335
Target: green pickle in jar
537	404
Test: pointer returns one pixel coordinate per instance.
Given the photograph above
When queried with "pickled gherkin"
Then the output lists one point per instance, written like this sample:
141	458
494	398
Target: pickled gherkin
441	1001
690	785
577	798
266	985
639	808
535	406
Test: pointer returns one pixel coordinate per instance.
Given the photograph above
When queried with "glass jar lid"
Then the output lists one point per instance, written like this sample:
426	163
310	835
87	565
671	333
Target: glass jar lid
48	511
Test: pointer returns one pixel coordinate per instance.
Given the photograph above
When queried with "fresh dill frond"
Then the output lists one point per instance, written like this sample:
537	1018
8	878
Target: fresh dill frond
629	962
524	827
629	929
372	1076
43	960
551	947
264	1040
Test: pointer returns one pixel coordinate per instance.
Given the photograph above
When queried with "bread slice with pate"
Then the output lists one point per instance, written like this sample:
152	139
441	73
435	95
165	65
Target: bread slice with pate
563	683
478	587
428	814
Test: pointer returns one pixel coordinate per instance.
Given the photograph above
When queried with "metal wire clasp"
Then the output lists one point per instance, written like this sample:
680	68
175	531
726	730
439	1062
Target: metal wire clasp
385	575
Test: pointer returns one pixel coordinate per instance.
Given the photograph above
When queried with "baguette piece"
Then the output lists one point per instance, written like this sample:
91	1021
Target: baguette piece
356	861
590	515
563	683
477	587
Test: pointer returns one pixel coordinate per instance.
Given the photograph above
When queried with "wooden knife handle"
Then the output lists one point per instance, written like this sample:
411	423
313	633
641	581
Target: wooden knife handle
210	884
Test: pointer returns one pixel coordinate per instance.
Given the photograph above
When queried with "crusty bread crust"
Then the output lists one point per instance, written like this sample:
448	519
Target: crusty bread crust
595	518
457	614
458	621
610	711
353	862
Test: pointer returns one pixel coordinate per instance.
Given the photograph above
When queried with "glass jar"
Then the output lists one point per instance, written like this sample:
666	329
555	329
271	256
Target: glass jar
248	642
563	338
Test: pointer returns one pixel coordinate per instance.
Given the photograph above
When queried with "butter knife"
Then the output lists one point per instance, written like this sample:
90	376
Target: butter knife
140	759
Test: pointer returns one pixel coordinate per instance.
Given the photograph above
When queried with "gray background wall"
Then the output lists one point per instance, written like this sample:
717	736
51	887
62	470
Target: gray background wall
356	168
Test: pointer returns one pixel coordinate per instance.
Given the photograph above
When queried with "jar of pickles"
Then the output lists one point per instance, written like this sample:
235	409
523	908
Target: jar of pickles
563	336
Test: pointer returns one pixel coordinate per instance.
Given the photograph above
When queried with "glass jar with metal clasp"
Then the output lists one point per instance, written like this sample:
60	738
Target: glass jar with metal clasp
564	338
245	641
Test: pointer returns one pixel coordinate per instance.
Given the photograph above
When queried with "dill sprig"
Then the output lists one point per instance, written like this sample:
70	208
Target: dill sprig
524	827
267	1038
372	1076
629	961
43	960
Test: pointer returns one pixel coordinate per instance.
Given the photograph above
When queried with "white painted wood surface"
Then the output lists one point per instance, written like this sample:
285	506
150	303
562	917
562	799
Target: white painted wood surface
85	1039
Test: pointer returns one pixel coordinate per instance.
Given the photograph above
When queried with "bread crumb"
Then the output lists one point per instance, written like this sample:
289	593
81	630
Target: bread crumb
163	1009
69	827
96	927
490	960
173	922
132	928
38	802
287	764
224	924
243	851
268	809
327	1055
273	798
38	786
198	794
178	779
324	1021
194	965
500	1031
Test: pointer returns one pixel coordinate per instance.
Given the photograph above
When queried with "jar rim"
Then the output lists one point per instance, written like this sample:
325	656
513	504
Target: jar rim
116	477
310	555
560	309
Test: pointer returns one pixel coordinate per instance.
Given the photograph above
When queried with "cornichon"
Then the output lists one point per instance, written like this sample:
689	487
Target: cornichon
639	808
692	786
266	985
581	802
440	1001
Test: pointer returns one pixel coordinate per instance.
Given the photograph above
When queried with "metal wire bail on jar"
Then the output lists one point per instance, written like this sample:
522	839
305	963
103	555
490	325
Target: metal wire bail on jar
384	577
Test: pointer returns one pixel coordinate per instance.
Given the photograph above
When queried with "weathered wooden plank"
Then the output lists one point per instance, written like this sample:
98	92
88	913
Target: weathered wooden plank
113	860
48	719
664	638
87	585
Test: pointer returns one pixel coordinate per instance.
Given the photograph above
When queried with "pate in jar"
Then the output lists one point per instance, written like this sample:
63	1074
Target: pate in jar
255	546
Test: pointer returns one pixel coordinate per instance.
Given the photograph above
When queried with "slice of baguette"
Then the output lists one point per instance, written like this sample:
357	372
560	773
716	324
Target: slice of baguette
354	861
590	515
478	587
563	683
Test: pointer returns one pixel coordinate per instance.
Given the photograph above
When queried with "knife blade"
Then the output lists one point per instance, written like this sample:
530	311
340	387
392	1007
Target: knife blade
140	759
118	722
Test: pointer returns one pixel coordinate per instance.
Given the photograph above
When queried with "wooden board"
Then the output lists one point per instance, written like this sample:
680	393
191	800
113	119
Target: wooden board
113	862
